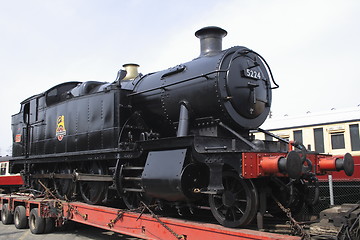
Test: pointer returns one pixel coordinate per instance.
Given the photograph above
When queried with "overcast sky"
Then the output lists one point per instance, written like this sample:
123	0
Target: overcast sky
312	46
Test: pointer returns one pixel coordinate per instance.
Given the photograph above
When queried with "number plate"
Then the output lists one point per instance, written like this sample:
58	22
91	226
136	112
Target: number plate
250	73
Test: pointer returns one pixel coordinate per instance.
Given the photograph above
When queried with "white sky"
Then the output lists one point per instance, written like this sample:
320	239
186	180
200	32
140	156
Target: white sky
312	46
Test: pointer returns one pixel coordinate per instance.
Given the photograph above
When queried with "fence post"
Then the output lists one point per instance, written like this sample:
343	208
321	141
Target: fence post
331	190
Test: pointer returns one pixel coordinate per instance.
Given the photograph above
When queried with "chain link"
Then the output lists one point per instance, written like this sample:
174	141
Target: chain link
112	222
47	191
119	215
294	225
121	212
141	209
178	236
76	211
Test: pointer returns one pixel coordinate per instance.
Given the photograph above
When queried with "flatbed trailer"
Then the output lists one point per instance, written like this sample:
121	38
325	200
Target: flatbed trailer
42	215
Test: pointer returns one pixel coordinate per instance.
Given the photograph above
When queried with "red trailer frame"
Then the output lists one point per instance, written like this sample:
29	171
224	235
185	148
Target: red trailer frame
146	226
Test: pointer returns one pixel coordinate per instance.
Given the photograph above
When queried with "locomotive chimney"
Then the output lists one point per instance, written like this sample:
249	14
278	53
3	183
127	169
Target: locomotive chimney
131	71
210	40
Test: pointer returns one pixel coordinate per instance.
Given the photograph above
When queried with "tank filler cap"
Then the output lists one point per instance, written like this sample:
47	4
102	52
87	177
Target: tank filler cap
210	40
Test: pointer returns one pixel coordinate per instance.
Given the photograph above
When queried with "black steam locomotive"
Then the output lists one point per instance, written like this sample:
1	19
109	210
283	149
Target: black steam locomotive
179	138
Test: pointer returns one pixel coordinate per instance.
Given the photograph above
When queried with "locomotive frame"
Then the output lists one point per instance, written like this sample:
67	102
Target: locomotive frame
178	137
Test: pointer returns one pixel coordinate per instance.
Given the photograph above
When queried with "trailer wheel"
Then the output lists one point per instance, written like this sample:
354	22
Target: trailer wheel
49	225
36	223
6	216
20	218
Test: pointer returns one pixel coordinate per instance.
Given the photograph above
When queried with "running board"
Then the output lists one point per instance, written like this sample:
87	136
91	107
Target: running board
75	176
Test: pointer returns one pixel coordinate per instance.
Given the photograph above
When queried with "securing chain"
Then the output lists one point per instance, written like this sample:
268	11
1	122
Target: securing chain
59	205
47	191
294	225
141	209
119	215
74	209
178	236
57	208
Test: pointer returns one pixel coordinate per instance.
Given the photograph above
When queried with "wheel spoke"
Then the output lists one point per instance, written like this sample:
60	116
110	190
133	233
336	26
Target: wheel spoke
221	206
237	204
240	210
93	192
64	188
232	214
239	192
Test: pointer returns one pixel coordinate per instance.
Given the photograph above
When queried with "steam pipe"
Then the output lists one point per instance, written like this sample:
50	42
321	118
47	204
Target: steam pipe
183	127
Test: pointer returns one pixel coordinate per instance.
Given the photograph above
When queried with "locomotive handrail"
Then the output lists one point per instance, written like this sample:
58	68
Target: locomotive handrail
206	74
253	146
267	65
277	137
298	145
182	81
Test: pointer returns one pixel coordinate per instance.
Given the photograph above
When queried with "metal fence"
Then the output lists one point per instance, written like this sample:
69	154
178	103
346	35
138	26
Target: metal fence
334	192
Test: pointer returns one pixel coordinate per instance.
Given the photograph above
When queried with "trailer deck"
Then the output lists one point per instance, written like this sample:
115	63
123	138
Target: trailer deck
141	225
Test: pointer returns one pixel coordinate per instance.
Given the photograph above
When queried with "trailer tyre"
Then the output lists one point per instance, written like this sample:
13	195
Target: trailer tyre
36	223
49	225
6	216
20	219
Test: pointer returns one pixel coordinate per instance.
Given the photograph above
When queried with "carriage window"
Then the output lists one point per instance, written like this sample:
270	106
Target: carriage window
3	169
298	136
354	137
337	141
319	140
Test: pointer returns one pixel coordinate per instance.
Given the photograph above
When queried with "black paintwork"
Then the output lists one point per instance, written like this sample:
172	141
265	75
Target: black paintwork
91	121
134	123
211	87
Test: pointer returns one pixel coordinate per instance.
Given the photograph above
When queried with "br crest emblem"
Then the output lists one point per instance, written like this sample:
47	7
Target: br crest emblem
60	130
